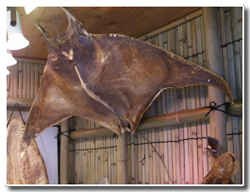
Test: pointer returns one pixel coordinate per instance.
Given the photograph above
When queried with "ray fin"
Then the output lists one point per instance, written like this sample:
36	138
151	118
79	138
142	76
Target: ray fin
50	107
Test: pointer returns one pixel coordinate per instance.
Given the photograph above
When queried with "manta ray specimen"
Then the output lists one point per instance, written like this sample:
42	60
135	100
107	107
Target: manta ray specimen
110	79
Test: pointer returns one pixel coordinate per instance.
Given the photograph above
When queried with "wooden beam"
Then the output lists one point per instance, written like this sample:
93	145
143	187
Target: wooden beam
22	102
171	119
31	60
90	133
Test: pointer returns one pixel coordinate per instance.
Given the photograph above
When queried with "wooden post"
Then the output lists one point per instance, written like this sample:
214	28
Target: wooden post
215	64
64	153
122	176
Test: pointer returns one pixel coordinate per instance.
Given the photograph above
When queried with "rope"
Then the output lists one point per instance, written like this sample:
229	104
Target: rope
213	106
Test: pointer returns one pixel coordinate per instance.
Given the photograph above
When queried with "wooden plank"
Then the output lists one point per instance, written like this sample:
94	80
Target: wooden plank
92	156
36	86
143	158
76	167
108	156
102	157
132	147
200	101
239	28
204	102
30	60
129	159
150	155
15	80
190	98
240	158
111	158
146	161
237	53
20	79
175	107
164	111
161	131
184	106
233	88
139	147
11	81
89	155
79	155
98	158
115	160
30	80
22	102
170	139
194	128
64	153
24	90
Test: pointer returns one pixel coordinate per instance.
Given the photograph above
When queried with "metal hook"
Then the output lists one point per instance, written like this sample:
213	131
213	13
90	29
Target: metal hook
16	105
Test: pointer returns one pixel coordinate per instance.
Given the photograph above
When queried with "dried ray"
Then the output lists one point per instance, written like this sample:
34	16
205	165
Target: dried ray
110	79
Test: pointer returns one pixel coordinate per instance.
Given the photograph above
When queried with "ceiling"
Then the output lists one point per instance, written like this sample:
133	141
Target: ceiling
131	21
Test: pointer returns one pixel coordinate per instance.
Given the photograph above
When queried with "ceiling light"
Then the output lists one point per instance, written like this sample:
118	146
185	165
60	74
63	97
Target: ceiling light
29	8
7	72
16	39
10	59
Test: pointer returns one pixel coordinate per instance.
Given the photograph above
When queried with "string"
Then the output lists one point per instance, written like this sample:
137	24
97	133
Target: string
213	106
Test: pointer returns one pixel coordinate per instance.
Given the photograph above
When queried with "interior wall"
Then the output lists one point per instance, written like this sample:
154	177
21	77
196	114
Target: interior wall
24	82
181	147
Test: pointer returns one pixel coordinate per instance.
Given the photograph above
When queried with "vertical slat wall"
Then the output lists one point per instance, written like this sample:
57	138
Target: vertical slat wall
91	159
24	79
181	147
231	45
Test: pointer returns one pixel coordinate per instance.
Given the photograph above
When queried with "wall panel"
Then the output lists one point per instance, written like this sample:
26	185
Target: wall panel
181	147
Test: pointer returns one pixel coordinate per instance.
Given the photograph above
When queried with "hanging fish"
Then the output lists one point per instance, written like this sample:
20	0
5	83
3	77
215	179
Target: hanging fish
225	166
30	169
110	79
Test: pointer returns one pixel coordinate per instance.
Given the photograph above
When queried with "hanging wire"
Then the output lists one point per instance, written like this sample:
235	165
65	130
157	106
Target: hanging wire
16	105
62	133
157	154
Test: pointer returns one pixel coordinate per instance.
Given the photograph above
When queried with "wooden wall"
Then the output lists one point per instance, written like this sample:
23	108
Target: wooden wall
24	79
181	147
